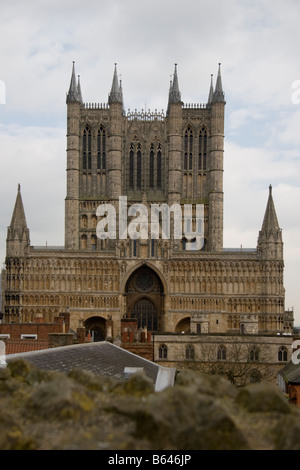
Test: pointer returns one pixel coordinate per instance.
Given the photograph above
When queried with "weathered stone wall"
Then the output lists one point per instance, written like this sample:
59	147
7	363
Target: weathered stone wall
44	410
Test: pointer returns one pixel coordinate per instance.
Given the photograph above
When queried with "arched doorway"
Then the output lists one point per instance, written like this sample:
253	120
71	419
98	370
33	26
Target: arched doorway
183	326
96	327
144	298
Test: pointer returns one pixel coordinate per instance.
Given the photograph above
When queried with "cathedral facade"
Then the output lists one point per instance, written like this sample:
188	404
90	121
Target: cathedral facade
172	159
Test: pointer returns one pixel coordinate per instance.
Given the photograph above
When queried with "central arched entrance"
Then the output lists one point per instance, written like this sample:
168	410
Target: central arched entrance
96	327
145	298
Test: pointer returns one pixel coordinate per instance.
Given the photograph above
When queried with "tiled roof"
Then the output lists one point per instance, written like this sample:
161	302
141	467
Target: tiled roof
14	346
102	358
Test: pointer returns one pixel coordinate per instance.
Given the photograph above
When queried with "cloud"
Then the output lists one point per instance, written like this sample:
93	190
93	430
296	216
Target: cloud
257	43
33	157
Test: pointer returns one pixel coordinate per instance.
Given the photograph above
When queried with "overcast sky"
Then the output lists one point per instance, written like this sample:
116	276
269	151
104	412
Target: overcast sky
258	45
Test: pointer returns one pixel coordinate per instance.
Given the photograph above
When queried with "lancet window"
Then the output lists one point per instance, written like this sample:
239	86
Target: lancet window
202	162
87	149
135	166
155	167
188	149
101	149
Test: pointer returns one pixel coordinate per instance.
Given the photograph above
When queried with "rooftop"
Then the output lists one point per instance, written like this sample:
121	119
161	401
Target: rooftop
102	358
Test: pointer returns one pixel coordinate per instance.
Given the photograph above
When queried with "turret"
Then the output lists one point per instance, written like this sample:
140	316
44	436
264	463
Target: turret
18	239
270	244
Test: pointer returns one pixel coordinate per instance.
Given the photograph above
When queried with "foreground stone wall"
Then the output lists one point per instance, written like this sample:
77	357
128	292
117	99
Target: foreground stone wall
45	410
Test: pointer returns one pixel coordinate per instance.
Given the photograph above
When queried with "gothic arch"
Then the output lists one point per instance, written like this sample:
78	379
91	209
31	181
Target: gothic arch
152	268
144	297
96	327
183	325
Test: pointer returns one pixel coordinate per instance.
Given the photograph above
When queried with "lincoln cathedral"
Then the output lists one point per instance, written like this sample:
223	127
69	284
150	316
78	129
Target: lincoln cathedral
187	299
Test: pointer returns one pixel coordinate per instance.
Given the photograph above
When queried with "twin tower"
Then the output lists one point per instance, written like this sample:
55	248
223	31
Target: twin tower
149	157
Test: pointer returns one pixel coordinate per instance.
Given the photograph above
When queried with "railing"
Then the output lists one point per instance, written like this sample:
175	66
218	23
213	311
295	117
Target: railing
196	105
95	105
144	115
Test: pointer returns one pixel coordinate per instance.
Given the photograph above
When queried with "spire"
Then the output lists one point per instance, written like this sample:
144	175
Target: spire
211	90
72	95
174	93
270	243
79	90
219	94
270	223
115	95
17	232
18	220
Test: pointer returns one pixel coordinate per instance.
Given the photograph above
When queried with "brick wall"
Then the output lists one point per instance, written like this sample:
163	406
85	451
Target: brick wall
144	350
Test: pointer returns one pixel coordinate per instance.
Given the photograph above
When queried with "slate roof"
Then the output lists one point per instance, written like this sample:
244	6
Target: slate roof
291	373
102	358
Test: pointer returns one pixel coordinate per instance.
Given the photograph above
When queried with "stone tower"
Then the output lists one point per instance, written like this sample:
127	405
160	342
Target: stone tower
172	159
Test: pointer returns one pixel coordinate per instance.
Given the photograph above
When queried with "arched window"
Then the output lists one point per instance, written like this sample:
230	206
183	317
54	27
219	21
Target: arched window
94	242
152	248
202	162
131	167
254	354
135	248
221	354
83	242
190	353
139	168
155	167
84	220
135	166
87	149
159	169
145	312
151	173
188	150
101	149
282	354
163	352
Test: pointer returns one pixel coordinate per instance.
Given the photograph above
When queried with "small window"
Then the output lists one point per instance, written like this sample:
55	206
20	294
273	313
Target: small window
190	353
221	355
253	355
163	352
94	242
282	354
28	336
